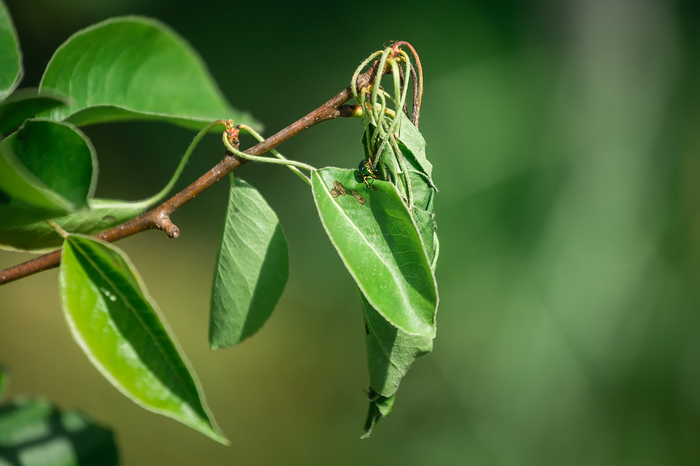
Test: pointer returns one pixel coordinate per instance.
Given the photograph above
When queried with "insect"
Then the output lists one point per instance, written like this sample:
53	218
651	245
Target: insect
366	170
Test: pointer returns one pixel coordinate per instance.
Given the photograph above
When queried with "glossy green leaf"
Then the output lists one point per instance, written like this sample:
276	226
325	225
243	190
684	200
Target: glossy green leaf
34	433
422	187
379	407
376	238
390	352
100	215
135	68
411	139
120	329
47	169
251	269
24	104
10	54
40	237
388	168
428	231
423	212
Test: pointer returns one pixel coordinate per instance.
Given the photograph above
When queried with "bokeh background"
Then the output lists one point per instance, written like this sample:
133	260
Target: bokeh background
565	138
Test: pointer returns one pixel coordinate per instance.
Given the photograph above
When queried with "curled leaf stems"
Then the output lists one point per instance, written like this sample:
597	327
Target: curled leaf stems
404	172
159	217
374	112
417	80
256	158
353	83
401	99
178	171
378	81
276	153
382	123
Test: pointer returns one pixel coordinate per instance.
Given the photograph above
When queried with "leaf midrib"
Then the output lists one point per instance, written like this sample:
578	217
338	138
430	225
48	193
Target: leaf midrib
138	318
379	256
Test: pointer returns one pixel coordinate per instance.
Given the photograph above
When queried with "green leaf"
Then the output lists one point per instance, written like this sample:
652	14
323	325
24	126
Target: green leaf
388	168
10	54
34	433
376	238
120	329
24	104
412	140
425	221
251	270
135	68
390	351
101	215
423	212
47	169
379	407
422	187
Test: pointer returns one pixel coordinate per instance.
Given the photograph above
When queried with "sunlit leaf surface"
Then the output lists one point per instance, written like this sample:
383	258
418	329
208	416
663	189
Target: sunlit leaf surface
135	68
390	352
379	407
412	140
118	326
101	215
24	104
47	169
251	270
376	238
10	55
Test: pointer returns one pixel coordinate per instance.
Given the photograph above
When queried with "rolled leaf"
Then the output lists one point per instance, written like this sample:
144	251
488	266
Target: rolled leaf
10	54
390	352
119	327
251	269
378	241
24	104
135	68
411	139
379	407
47	169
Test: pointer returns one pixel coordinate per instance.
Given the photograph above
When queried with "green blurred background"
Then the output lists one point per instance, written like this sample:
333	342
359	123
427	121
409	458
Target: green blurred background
565	142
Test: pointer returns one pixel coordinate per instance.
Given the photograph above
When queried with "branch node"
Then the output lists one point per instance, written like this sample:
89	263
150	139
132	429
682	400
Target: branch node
327	111
166	225
350	111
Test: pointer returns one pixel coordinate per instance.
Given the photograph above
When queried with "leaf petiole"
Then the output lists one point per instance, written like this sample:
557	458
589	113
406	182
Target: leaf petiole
255	158
148	202
276	153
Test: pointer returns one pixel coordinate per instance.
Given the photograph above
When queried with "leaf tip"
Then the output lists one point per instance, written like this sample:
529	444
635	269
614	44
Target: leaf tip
379	407
219	437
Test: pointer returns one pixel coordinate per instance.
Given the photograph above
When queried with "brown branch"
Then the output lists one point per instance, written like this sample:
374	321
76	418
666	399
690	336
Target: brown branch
159	217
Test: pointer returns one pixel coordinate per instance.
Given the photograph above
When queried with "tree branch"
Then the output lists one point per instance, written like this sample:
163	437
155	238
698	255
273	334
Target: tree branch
159	217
